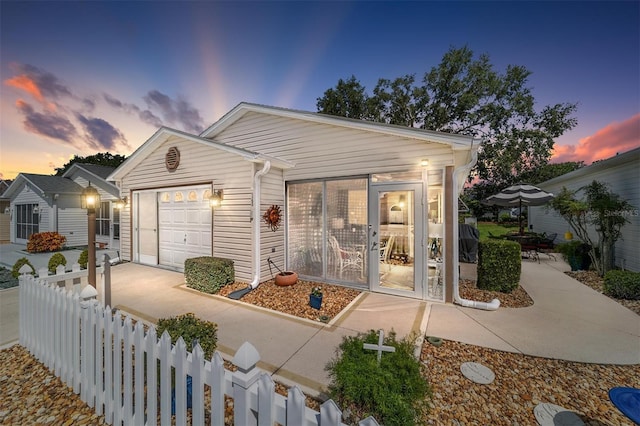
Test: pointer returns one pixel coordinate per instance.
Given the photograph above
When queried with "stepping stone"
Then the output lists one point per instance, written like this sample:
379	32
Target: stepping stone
554	415
477	373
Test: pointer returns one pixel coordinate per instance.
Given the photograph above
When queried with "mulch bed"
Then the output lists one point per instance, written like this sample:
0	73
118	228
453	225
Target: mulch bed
518	298
294	300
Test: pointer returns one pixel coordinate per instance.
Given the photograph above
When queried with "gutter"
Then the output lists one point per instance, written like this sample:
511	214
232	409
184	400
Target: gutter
255	248
495	303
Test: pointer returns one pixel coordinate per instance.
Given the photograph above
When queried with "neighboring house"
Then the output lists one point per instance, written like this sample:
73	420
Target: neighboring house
622	175
360	206
42	203
4	212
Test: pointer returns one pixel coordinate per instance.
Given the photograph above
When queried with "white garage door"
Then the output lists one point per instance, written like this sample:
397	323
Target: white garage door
184	222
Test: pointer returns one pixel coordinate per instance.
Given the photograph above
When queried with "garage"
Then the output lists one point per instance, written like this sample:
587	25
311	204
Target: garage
184	224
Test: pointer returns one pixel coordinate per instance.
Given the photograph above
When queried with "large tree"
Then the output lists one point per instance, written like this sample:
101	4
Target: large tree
101	158
465	95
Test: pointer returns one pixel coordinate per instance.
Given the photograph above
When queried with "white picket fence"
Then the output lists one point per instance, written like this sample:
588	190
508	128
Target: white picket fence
113	366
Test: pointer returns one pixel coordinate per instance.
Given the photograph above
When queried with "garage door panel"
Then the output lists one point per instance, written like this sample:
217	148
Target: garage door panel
185	226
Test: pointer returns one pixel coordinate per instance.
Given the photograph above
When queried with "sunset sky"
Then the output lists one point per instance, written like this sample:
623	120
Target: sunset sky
87	77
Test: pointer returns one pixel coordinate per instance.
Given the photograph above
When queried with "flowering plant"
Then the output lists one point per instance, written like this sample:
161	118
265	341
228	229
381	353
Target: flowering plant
316	291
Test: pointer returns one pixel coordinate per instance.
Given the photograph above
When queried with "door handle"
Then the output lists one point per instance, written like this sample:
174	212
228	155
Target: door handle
373	245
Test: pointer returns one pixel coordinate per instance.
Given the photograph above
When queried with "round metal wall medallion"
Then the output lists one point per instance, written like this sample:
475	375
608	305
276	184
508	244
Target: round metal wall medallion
172	159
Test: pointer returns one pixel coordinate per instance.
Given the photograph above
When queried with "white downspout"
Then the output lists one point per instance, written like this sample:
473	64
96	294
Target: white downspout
495	303
255	247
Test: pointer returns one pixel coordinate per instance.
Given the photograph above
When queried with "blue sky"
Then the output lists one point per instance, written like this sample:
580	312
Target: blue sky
87	77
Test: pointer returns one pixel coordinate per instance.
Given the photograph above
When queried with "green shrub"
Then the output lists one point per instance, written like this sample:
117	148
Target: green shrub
576	254
394	392
190	327
15	271
208	274
45	241
55	260
499	265
622	284
83	259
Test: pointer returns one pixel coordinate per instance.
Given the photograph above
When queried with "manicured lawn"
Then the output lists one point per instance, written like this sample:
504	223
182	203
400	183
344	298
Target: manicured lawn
494	228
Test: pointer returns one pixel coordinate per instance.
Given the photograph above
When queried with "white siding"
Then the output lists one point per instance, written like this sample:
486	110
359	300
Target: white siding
323	151
200	164
622	179
272	187
83	182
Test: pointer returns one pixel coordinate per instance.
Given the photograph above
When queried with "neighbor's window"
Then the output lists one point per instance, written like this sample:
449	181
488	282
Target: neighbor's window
27	221
103	219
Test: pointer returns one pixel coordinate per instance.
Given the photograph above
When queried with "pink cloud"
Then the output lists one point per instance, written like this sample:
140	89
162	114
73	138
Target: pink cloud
606	142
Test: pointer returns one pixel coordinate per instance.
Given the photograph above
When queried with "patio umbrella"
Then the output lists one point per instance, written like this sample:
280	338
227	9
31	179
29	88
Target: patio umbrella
518	195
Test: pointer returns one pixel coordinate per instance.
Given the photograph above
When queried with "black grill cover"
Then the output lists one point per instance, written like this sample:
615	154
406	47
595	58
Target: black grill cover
468	237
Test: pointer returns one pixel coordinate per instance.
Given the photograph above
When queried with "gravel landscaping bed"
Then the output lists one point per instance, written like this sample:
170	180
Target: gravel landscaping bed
521	383
294	300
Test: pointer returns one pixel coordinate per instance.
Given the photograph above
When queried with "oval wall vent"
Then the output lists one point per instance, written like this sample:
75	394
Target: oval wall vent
172	159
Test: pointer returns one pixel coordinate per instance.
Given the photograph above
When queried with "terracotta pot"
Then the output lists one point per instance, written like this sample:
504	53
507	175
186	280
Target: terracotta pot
286	278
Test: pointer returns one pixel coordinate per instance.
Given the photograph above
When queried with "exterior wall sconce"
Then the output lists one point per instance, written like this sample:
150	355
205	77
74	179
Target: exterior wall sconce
121	203
36	209
7	210
424	163
90	200
216	198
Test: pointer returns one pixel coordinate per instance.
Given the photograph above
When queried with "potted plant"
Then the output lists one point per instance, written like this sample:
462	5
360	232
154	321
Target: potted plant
576	253
315	298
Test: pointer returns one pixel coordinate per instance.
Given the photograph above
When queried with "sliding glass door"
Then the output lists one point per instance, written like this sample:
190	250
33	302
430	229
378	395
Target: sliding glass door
327	230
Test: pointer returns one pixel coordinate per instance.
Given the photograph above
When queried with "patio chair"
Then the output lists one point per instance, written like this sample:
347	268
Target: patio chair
345	259
385	250
546	245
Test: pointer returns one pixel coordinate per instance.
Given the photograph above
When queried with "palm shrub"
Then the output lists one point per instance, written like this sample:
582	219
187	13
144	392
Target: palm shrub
15	271
393	392
56	260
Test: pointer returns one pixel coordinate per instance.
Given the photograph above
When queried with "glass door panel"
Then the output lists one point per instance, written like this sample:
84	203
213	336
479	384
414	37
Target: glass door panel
395	239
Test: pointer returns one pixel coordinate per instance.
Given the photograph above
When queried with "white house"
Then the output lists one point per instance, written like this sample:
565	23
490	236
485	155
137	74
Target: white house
622	175
362	204
44	203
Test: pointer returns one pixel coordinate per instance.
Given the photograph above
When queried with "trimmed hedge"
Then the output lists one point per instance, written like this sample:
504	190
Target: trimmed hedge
208	274
55	260
15	271
622	284
45	241
190	328
499	265
83	260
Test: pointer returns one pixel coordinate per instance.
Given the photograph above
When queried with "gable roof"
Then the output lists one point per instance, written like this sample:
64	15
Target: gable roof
456	141
46	184
164	133
97	170
625	157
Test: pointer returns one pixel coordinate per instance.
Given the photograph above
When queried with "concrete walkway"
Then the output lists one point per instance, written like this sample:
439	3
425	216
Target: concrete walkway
567	321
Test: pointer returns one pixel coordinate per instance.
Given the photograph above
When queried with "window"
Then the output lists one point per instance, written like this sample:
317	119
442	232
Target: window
103	218
27	221
327	229
116	224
